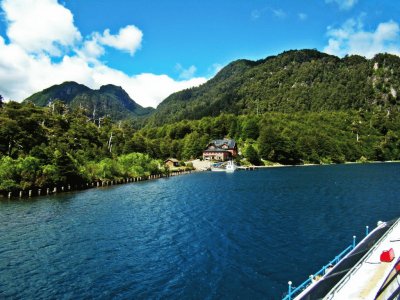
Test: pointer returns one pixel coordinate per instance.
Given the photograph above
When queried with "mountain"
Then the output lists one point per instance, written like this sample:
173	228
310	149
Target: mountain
109	100
296	80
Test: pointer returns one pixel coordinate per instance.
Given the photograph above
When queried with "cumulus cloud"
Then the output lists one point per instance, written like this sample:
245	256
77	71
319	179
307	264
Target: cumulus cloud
41	30
351	38
149	86
128	39
40	25
343	4
91	50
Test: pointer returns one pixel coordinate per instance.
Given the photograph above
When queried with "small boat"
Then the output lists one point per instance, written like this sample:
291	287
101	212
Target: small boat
228	167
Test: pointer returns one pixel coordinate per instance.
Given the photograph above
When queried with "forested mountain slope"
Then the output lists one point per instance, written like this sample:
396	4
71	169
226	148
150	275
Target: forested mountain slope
109	100
298	80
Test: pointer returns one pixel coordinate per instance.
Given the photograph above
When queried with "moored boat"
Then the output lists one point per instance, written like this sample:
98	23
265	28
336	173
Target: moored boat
228	167
217	167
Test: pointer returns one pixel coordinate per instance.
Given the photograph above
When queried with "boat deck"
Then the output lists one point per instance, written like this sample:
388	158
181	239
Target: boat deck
367	277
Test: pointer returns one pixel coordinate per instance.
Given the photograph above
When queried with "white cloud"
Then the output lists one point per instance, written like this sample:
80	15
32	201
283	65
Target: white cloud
91	50
39	26
144	86
302	16
351	38
128	39
186	73
22	74
27	65
279	13
343	4
258	13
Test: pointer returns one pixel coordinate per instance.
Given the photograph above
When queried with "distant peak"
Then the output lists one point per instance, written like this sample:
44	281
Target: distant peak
110	87
70	83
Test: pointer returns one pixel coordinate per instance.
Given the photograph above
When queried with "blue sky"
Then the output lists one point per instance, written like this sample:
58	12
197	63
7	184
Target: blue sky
153	48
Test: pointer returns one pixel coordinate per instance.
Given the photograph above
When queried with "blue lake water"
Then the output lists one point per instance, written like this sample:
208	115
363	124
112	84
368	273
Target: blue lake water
199	236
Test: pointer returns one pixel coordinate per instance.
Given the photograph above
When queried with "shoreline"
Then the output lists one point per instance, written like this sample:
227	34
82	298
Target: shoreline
61	189
47	191
331	164
303	165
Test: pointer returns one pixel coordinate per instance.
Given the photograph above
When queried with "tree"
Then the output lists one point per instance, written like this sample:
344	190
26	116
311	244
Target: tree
69	172
278	147
10	132
50	176
250	129
136	144
59	107
251	155
9	174
192	146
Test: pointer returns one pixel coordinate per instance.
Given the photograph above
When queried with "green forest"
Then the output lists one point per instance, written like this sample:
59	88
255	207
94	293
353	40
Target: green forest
53	146
299	107
47	147
296	80
296	138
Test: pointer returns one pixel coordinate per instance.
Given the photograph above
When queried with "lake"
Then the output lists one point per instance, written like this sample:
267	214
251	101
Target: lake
199	236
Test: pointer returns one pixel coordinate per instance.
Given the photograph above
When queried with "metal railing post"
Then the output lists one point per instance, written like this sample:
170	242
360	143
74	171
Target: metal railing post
354	241
290	290
366	230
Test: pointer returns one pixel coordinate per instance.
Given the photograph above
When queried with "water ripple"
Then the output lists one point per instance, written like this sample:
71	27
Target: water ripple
201	236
